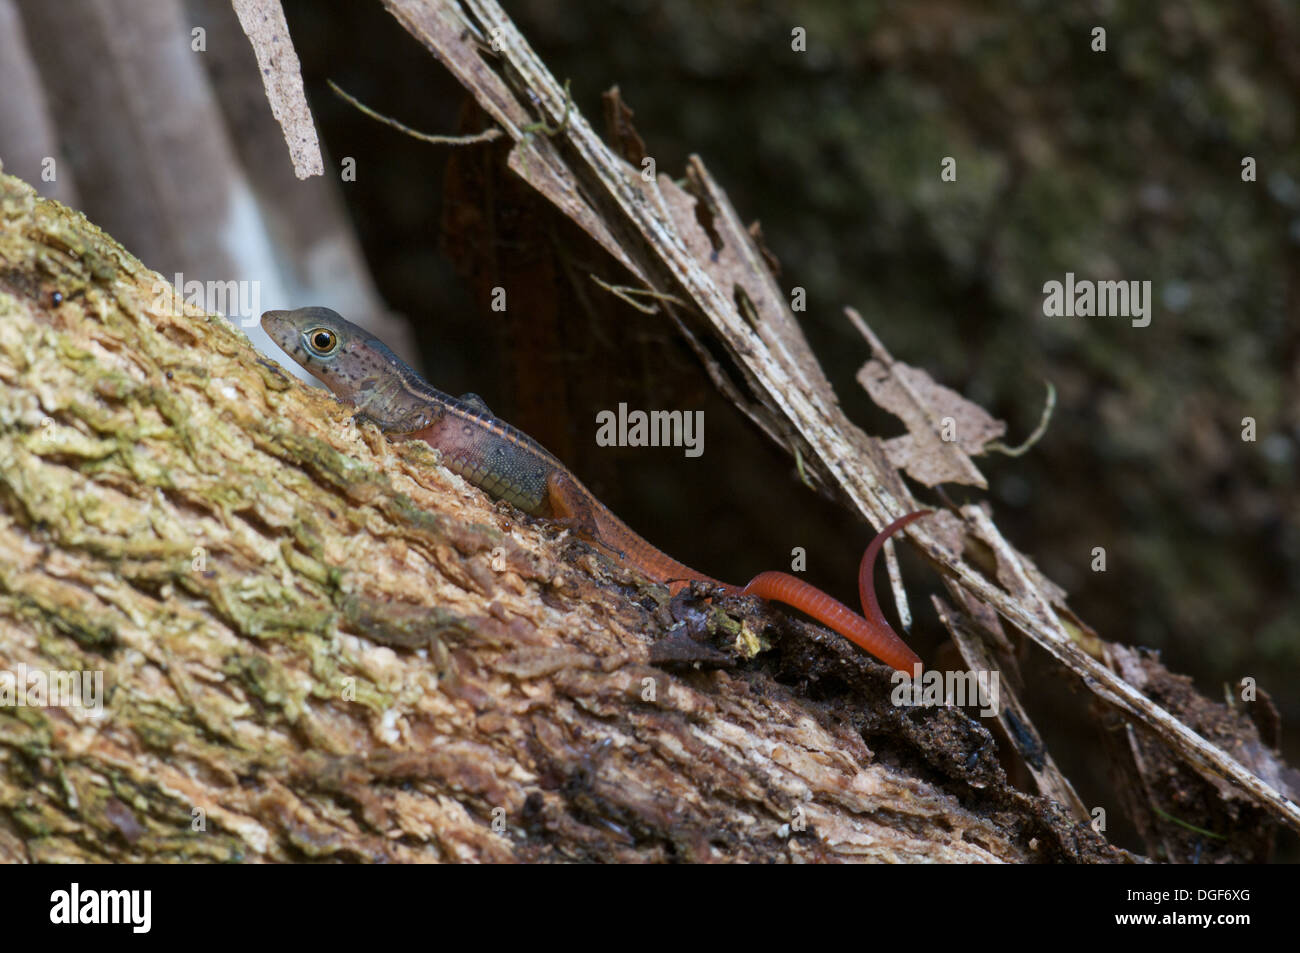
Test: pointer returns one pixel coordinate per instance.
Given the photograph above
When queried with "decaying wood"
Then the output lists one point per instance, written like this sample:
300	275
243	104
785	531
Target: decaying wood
317	643
659	232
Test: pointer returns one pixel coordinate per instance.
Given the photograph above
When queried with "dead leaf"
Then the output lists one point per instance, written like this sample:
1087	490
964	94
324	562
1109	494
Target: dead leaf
620	129
944	428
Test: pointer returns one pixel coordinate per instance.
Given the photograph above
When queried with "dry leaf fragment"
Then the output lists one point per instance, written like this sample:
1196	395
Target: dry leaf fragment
943	428
619	127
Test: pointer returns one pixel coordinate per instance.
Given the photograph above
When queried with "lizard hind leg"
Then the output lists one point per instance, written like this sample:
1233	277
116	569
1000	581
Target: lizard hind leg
573	508
572	505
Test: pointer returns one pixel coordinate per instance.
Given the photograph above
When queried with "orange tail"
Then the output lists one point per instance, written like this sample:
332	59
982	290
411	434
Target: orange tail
872	633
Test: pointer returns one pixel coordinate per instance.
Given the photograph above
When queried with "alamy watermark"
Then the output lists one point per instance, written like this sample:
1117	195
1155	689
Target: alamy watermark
936	689
1104	299
651	428
130	907
22	687
239	301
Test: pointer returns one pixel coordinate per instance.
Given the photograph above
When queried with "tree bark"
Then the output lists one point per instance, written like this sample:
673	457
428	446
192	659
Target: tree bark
319	644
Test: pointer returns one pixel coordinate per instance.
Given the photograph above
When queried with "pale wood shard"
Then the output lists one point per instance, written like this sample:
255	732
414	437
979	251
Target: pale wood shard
268	32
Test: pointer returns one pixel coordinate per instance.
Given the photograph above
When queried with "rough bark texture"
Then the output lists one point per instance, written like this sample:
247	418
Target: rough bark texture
320	644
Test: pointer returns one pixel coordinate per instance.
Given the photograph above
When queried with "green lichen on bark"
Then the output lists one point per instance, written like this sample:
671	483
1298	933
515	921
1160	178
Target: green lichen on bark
145	527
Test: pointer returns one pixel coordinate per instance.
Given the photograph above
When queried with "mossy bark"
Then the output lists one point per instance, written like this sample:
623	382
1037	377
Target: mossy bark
316	643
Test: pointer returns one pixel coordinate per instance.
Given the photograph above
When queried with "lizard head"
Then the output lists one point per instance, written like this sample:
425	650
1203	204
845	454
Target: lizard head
354	364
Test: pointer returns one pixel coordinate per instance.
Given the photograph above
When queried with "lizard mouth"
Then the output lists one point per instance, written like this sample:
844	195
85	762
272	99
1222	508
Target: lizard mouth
273	319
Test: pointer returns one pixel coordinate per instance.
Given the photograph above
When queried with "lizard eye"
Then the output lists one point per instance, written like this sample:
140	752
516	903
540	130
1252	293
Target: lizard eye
322	341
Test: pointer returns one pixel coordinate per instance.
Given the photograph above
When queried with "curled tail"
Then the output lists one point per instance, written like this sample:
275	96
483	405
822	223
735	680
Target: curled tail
869	631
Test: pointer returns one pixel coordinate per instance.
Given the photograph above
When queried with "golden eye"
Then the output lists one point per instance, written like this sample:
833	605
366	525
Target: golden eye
322	341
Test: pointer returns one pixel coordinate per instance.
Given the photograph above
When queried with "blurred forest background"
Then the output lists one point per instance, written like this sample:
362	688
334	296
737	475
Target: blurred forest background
1123	164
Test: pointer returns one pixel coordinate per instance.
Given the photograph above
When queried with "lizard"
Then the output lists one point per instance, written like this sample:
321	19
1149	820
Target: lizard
507	464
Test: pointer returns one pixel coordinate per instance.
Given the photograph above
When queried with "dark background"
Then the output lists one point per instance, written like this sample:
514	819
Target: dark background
1117	165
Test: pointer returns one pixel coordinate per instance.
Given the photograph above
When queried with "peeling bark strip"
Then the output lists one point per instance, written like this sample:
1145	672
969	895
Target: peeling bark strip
237	558
264	24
